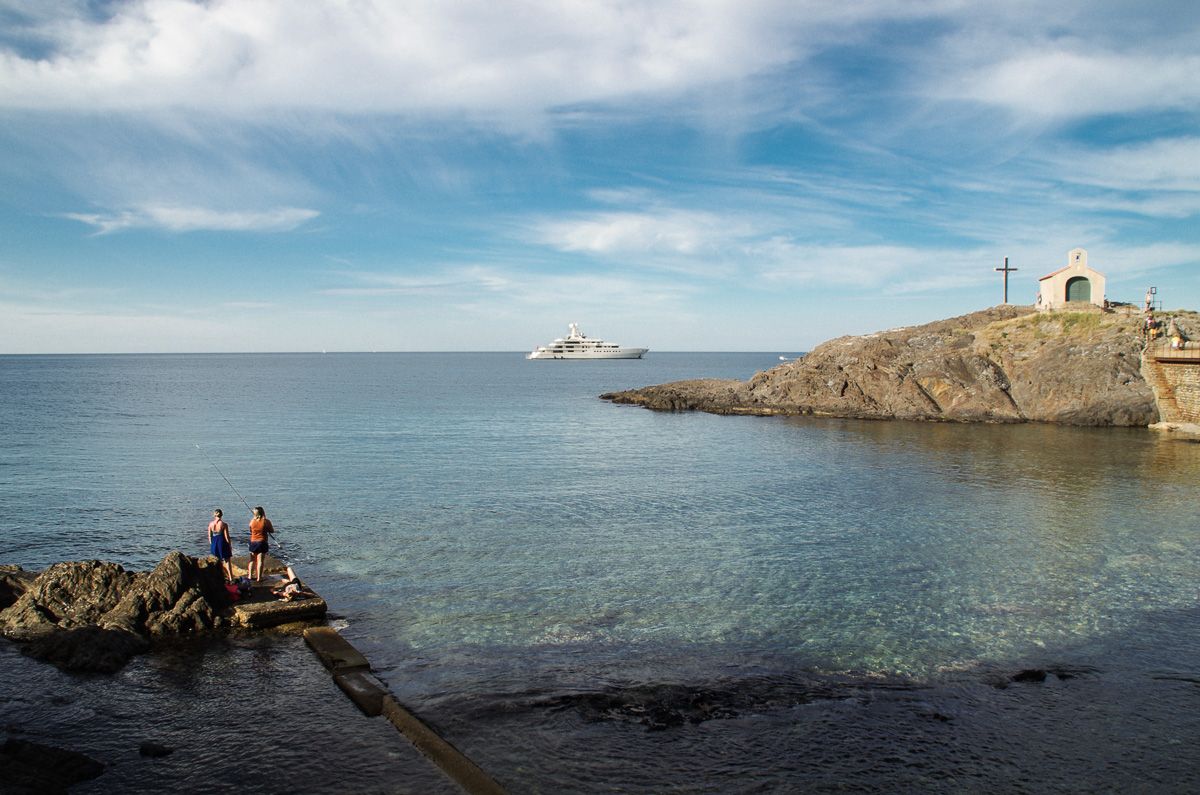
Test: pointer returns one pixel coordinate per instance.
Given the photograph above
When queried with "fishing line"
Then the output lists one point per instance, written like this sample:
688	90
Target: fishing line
222	474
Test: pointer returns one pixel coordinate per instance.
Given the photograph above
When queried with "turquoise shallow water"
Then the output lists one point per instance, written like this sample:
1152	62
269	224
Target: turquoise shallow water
548	576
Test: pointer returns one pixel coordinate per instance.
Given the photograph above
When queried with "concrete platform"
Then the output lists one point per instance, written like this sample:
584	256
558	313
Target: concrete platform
263	609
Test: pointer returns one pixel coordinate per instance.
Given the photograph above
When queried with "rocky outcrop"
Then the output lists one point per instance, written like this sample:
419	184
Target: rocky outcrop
94	616
1004	364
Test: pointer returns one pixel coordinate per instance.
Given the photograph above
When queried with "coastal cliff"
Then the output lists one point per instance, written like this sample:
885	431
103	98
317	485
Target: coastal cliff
1003	364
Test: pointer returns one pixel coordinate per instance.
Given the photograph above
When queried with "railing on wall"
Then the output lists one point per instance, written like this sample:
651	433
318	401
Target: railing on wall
1163	352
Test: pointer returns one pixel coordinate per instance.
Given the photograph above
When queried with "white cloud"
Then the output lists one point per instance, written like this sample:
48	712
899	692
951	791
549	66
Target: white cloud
1169	164
673	232
194	219
376	57
1067	84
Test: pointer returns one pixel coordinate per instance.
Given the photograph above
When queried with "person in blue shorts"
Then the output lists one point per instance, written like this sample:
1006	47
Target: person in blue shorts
220	545
260	530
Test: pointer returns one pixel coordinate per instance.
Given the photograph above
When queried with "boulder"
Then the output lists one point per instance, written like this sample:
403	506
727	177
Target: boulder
94	616
65	596
180	596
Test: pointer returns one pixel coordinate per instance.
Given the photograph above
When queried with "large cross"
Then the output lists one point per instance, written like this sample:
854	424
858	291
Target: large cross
1006	270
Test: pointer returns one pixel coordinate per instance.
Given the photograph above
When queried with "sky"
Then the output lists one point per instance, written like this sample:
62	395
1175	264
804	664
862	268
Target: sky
683	175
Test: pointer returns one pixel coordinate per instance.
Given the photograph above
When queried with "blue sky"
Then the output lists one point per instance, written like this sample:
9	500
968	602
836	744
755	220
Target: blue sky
244	175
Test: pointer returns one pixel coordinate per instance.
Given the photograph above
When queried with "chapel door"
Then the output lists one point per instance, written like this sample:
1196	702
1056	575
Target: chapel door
1079	289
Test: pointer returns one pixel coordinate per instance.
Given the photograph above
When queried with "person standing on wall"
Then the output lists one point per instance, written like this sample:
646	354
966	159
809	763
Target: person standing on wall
220	545
260	530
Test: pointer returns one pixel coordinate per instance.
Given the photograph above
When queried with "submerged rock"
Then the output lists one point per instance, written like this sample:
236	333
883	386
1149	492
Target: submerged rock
154	750
32	767
89	649
94	616
1004	364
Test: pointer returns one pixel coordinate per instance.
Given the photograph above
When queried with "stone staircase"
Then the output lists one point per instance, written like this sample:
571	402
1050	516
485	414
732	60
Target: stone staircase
1164	393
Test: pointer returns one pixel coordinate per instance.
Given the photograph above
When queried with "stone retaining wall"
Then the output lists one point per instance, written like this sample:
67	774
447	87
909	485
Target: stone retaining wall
1184	381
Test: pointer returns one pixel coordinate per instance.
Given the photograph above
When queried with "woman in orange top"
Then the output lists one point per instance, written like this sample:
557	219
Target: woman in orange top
260	529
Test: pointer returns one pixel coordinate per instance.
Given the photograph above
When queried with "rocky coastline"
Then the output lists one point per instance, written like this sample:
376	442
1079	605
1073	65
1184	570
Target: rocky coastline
93	617
1005	364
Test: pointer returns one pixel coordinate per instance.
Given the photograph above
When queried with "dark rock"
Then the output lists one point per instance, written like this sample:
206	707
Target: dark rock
181	595
93	616
28	767
655	708
154	750
89	649
14	581
1030	675
65	596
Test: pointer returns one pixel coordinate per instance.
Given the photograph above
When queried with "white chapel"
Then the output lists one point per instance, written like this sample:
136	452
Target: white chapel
1076	283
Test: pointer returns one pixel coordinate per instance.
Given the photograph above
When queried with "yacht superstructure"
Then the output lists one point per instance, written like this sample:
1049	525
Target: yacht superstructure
577	345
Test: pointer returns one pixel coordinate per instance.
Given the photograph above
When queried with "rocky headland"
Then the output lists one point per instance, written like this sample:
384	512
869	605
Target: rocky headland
1001	365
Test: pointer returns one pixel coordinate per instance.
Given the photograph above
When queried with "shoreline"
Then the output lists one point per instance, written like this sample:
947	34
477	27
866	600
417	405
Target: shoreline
249	611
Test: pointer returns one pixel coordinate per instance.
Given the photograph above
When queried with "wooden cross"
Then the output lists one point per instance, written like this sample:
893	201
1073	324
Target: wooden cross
1006	270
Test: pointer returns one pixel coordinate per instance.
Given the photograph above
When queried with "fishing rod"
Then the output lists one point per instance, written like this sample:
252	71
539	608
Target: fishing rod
222	474
278	543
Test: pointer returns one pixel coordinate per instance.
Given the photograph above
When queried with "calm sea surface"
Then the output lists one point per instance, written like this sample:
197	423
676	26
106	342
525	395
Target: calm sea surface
588	597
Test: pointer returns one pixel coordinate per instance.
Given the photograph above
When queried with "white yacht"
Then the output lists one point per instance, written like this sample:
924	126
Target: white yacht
578	346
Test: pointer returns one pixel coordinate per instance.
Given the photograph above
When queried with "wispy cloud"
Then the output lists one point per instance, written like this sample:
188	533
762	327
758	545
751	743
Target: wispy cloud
194	219
1167	164
441	281
674	232
1074	83
239	57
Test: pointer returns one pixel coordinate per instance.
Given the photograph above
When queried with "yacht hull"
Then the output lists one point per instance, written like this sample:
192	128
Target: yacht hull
624	353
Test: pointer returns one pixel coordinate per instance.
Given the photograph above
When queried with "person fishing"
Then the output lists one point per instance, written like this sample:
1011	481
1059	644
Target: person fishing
260	530
219	543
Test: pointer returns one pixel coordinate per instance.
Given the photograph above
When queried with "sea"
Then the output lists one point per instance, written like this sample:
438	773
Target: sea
590	597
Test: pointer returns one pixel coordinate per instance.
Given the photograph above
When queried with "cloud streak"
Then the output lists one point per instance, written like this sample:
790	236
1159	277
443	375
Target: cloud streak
196	219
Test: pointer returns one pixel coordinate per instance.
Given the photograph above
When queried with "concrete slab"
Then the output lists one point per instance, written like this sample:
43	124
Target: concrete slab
260	611
363	689
334	651
452	761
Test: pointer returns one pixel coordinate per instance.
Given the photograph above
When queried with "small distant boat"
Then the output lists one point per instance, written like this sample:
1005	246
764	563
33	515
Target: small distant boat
577	345
783	358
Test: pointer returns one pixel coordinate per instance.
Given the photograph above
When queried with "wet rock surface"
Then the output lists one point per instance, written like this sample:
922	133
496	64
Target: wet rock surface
1004	364
93	616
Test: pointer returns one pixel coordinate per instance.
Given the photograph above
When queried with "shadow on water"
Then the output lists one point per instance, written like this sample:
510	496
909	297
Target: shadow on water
249	714
1117	714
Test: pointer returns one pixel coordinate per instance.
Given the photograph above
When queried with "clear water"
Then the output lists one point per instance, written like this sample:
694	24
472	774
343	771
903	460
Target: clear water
585	596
